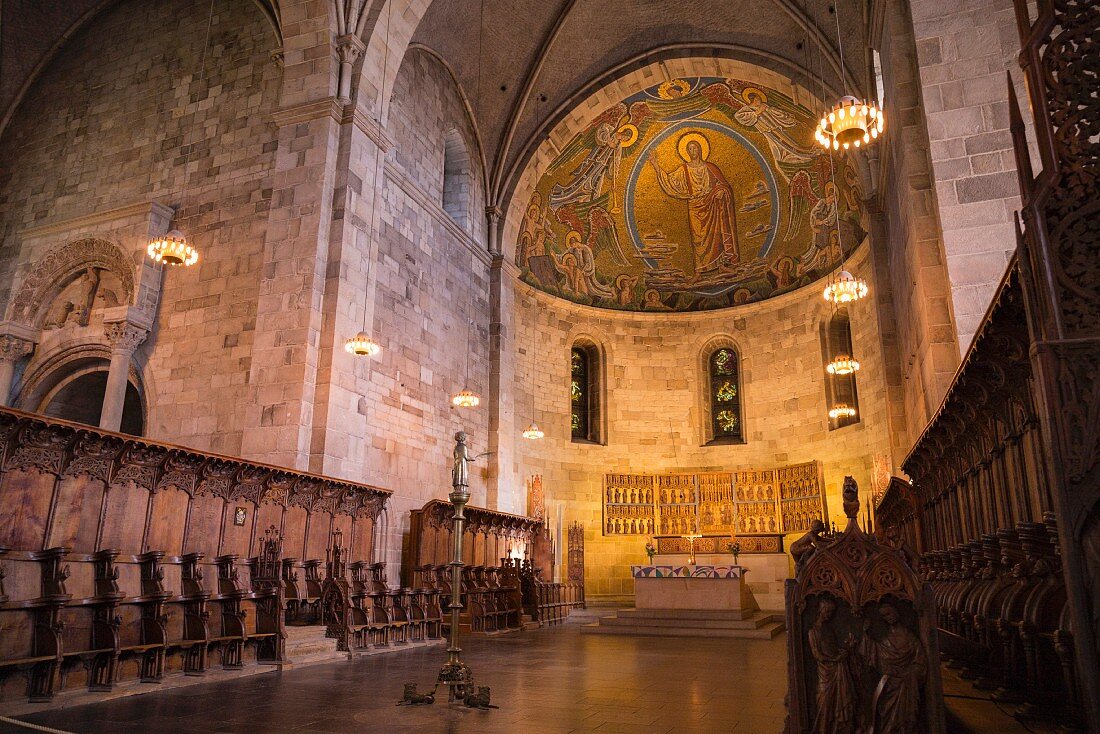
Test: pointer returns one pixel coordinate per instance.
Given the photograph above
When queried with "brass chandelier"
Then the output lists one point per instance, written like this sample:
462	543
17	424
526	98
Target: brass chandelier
851	123
172	249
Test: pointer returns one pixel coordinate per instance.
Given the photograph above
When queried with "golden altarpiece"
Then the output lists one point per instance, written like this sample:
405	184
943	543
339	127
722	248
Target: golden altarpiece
758	506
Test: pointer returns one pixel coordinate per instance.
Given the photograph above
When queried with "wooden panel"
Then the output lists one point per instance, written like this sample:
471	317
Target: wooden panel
236	537
319	539
294	533
26	505
124	521
267	515
76	516
361	548
206	522
169	521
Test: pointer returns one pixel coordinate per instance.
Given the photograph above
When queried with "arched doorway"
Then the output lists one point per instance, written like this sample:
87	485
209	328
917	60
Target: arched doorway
80	399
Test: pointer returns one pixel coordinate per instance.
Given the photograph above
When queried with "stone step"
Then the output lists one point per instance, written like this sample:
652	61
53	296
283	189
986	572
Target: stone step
766	632
686	615
733	624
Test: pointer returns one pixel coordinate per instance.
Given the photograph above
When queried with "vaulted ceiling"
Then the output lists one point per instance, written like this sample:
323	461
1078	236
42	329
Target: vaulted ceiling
525	63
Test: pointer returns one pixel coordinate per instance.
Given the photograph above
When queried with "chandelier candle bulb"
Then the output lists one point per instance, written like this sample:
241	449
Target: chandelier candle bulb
362	345
172	249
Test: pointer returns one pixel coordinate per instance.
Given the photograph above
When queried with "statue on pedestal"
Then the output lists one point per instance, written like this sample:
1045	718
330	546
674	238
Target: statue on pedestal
460	474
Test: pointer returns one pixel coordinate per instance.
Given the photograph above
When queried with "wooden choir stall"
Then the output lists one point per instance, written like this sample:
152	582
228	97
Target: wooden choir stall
127	559
509	560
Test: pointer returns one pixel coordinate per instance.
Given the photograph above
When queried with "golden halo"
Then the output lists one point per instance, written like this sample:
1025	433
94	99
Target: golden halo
681	145
573	235
633	130
664	90
750	93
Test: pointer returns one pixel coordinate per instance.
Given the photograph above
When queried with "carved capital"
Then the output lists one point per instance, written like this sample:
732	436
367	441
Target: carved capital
12	348
125	337
349	47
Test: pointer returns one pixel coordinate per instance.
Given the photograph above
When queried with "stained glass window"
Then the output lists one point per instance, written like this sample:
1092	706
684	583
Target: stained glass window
725	396
582	395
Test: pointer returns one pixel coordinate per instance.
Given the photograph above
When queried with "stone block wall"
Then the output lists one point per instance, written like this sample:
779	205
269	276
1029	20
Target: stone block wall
909	241
963	53
654	393
432	280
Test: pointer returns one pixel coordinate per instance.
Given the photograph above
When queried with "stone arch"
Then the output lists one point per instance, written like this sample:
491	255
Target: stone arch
457	179
269	8
56	270
595	351
48	377
705	351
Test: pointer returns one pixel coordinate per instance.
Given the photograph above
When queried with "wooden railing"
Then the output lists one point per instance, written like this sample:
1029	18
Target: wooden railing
122	558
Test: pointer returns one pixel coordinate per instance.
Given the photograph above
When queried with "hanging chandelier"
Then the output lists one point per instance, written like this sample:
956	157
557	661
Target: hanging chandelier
842	410
851	123
533	432
842	364
466	398
846	288
361	345
172	249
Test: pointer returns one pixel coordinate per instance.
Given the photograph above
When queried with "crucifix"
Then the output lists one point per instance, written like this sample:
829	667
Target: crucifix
691	547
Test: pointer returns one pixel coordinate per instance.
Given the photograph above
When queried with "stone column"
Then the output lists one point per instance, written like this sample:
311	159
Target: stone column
12	349
124	337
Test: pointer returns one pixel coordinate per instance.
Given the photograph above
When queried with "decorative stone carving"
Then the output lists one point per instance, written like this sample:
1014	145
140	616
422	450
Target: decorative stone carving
12	348
125	337
40	284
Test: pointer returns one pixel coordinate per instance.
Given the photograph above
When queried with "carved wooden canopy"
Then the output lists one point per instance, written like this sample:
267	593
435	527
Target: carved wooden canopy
439	514
65	449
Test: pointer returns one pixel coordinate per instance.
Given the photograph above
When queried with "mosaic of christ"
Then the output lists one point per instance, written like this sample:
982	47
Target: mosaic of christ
697	193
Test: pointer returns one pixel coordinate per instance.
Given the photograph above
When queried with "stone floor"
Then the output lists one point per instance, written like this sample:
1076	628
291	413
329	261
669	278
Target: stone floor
548	681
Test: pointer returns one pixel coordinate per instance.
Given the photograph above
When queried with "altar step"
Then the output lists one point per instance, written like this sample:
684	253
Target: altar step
689	623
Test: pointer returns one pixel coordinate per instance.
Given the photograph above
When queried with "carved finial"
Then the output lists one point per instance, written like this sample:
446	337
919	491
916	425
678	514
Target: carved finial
851	498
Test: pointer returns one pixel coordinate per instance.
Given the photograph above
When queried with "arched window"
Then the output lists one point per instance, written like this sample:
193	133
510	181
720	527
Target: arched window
841	397
724	393
584	393
456	178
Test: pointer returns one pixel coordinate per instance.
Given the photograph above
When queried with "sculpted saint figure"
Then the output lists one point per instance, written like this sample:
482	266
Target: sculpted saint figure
85	296
710	204
460	474
836	688
899	658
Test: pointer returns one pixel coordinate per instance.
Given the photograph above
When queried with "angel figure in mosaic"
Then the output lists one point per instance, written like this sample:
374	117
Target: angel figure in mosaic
773	122
603	143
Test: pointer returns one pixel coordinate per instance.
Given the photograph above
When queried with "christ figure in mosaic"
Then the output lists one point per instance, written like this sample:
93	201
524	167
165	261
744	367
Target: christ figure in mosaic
710	203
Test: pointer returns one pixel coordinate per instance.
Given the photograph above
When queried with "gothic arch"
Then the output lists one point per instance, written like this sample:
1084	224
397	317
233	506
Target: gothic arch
595	352
57	269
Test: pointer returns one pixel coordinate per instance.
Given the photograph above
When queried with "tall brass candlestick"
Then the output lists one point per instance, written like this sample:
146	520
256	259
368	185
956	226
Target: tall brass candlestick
456	674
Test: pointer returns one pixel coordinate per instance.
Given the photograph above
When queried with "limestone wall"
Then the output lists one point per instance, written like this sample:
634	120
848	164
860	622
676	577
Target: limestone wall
963	55
654	399
121	117
432	280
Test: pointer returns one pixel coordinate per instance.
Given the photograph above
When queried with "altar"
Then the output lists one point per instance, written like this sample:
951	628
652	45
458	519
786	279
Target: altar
693	587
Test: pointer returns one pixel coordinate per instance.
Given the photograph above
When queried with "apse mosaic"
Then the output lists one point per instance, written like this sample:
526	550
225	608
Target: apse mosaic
694	194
